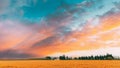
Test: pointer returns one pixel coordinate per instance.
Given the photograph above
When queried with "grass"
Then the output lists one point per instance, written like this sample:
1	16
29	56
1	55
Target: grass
59	64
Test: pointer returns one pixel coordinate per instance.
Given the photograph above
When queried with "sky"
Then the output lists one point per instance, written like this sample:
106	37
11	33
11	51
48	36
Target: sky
39	28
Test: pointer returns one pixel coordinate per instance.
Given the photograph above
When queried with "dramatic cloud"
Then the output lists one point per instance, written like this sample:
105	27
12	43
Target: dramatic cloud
46	27
12	54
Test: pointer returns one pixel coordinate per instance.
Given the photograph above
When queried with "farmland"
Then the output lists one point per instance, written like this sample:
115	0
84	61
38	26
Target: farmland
59	64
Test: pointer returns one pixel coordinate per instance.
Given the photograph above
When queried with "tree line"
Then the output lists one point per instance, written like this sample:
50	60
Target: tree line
100	57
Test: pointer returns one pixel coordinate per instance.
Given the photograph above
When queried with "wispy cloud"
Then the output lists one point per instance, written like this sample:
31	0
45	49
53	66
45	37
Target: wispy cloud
49	26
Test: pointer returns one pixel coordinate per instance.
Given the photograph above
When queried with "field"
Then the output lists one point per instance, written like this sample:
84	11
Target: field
59	64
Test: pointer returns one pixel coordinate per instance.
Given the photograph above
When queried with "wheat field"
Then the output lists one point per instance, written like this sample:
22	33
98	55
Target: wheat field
59	64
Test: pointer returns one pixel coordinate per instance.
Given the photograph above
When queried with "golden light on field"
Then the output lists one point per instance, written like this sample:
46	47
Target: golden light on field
59	64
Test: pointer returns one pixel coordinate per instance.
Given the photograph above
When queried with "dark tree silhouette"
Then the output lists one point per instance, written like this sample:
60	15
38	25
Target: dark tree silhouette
100	57
48	58
62	57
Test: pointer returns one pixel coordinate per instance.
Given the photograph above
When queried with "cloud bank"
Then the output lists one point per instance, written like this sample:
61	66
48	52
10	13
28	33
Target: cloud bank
45	27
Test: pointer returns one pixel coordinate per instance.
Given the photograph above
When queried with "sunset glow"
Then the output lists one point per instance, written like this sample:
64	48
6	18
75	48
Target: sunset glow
38	28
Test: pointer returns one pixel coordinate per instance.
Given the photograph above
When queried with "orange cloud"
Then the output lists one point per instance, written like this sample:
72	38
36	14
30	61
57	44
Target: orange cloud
47	41
106	34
